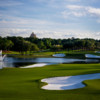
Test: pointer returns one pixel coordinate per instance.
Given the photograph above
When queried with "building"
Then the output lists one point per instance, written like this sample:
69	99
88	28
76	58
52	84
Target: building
33	35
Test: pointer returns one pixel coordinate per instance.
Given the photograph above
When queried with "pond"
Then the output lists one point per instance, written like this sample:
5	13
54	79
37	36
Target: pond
18	62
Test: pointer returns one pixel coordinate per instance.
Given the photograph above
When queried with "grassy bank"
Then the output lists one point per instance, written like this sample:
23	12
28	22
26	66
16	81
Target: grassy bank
35	54
69	54
28	55
38	54
10	52
24	84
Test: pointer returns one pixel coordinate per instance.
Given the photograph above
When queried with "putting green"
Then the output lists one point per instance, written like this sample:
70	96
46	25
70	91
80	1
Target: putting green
24	84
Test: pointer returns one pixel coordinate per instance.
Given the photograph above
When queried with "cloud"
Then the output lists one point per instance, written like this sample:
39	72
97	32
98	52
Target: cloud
93	11
68	14
74	7
13	22
17	26
49	34
80	11
49	18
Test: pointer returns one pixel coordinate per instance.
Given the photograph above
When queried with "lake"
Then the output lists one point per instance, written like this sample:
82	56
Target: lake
18	62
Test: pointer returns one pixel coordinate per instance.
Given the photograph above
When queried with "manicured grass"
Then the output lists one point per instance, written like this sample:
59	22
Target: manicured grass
24	84
69	54
36	54
78	53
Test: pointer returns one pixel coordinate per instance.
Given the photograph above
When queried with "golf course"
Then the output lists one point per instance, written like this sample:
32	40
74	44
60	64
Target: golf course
49	49
25	84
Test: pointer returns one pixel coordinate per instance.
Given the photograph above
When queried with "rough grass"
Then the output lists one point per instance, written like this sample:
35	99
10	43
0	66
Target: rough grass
10	52
24	84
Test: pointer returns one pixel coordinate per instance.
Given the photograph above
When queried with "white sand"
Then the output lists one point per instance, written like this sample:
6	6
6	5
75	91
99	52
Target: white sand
68	82
59	55
91	56
36	65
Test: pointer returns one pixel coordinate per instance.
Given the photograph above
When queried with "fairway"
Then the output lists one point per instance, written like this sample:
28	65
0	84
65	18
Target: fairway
25	84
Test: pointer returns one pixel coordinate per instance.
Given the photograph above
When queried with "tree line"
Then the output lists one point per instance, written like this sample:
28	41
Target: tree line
21	44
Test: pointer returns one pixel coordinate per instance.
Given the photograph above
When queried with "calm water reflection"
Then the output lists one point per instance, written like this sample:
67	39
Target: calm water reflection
1	65
17	62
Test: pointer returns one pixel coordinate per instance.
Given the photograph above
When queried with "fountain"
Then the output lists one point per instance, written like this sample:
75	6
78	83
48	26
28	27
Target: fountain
1	57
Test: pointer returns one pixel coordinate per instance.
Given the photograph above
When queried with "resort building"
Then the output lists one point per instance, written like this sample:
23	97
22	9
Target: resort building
33	35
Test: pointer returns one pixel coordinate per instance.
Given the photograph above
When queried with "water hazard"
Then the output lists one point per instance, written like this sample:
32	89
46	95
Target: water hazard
18	62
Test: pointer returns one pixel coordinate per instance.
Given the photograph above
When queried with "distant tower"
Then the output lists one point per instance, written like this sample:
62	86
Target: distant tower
33	35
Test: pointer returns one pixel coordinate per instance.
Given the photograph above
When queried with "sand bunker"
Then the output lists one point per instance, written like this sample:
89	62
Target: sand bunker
91	56
68	82
59	55
36	65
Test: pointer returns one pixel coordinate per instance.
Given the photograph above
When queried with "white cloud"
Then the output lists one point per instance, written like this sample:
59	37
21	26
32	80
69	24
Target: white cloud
80	11
16	26
78	14
67	14
74	7
13	22
93	11
49	34
47	21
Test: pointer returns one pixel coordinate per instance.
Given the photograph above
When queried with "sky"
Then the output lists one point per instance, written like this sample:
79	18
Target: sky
50	18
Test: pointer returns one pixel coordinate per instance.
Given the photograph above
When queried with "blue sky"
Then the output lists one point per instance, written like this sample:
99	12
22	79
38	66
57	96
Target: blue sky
50	18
